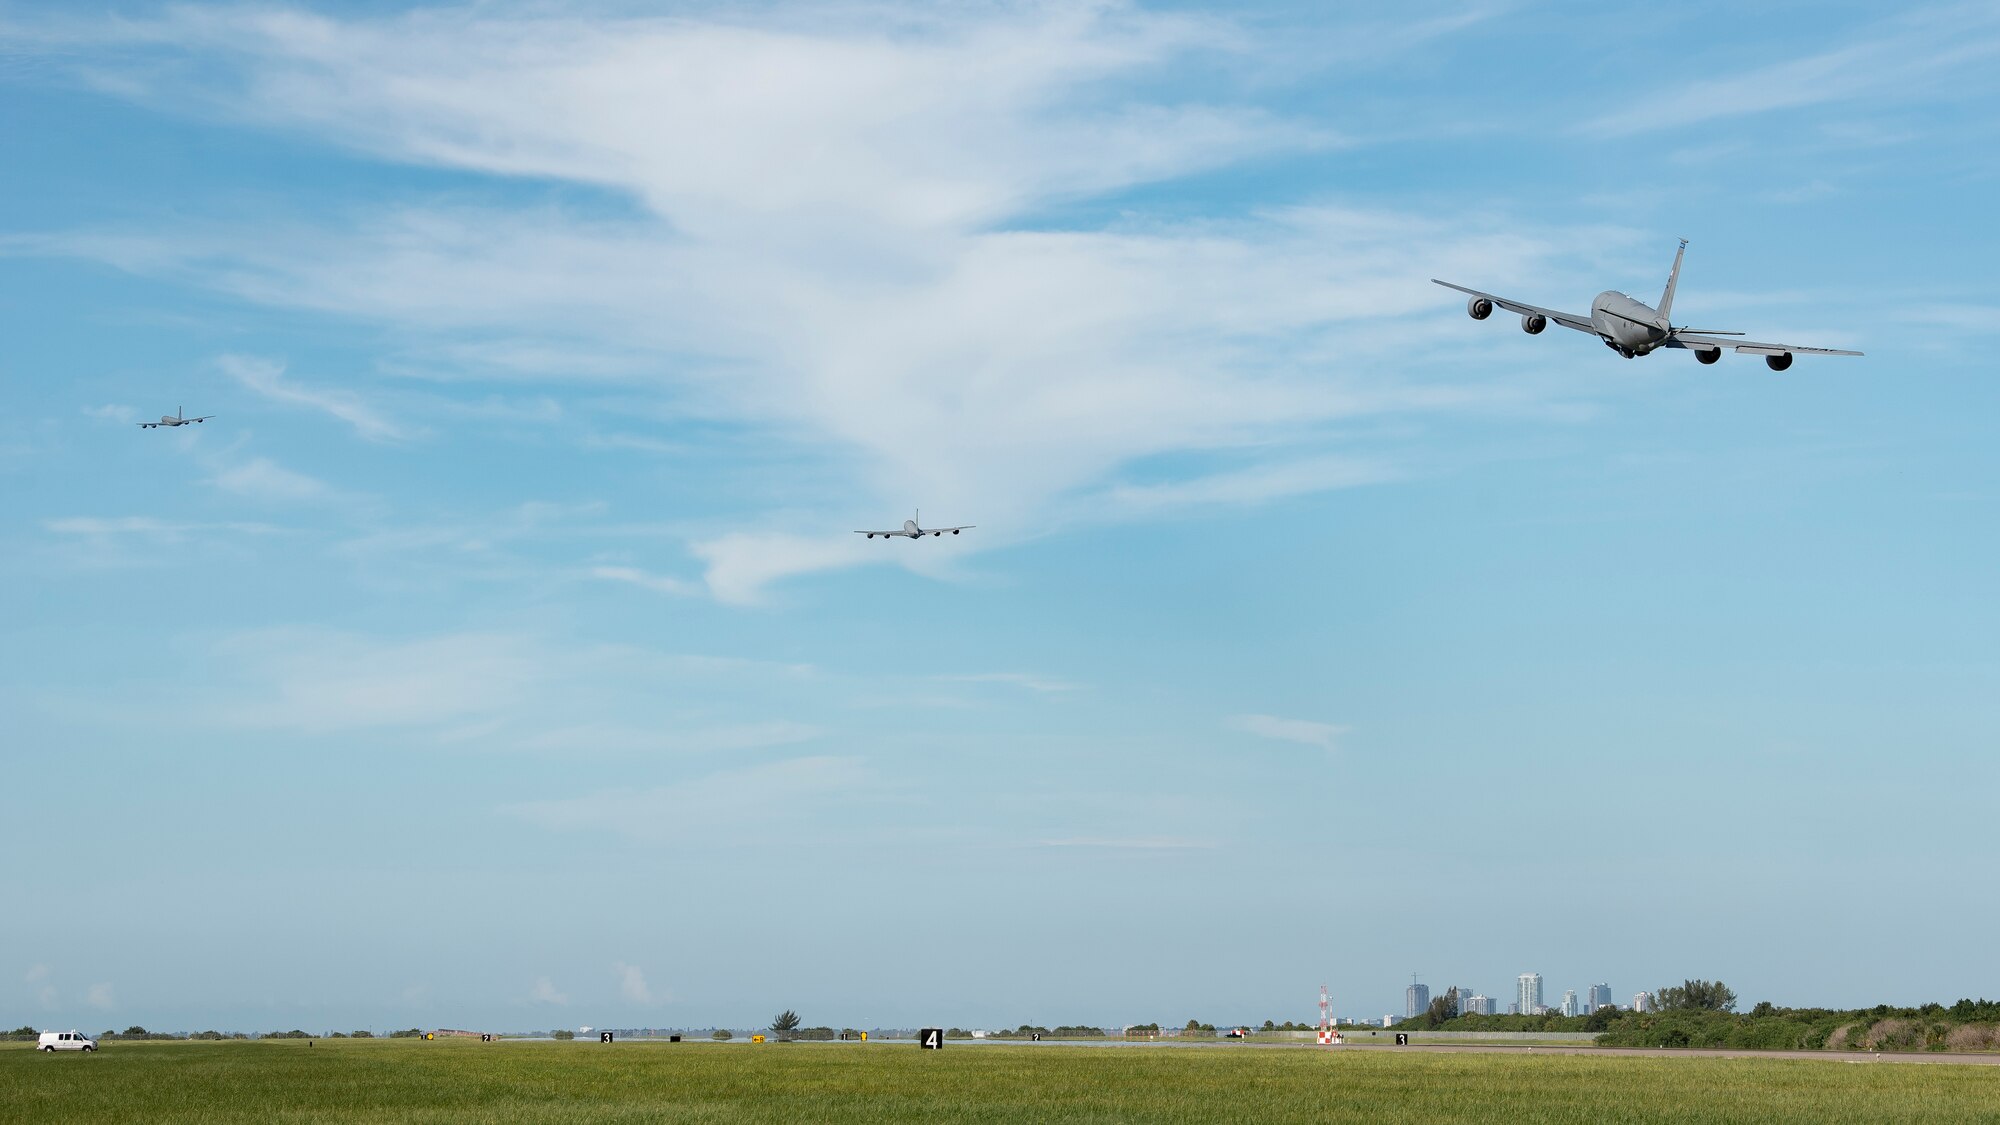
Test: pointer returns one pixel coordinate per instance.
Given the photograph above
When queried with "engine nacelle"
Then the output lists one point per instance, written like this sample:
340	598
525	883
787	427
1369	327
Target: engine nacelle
1708	355
1479	308
1778	362
1533	324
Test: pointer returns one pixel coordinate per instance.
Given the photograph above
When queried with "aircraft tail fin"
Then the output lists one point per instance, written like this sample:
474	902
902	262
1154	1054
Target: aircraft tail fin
1673	279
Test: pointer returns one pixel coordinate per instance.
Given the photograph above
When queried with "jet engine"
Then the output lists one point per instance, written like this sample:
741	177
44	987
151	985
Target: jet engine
1708	355
1479	308
1533	324
1778	362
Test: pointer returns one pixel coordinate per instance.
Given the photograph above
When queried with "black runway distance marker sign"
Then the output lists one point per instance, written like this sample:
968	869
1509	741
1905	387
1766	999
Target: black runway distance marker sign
931	1039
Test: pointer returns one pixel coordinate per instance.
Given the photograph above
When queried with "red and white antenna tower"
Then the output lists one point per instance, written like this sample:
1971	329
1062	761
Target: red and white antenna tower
1328	1036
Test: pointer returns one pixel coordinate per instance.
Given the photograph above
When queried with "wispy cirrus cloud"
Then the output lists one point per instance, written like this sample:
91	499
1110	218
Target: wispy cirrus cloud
113	412
152	527
1034	683
1920	52
260	478
267	378
660	583
838	241
1305	732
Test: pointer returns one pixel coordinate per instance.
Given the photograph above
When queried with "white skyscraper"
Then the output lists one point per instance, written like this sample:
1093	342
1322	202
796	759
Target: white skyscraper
1642	1002
1600	997
1569	1003
1528	989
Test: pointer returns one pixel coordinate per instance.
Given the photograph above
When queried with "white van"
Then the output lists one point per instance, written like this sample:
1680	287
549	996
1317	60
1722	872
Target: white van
66	1041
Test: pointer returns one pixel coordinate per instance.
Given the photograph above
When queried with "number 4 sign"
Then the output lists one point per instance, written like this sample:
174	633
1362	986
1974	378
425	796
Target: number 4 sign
931	1039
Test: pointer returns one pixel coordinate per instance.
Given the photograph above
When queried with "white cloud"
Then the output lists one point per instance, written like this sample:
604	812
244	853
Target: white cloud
1302	731
661	583
632	983
99	996
1258	484
113	412
1018	679
261	478
606	737
105	527
320	681
45	991
545	992
1919	53
266	378
741	564
836	246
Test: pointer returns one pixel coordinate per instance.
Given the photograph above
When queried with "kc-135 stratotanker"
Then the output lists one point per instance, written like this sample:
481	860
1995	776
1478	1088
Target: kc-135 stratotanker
1633	328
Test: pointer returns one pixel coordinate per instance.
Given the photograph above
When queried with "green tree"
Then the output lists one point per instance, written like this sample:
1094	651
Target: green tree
786	1022
559	1033
721	1033
1442	1009
1697	996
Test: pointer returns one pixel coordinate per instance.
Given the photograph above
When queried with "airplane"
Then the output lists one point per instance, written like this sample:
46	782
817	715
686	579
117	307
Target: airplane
910	530
175	420
1633	328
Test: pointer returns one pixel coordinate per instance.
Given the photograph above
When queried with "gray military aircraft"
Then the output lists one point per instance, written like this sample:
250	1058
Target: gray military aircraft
1633	328
175	420
910	530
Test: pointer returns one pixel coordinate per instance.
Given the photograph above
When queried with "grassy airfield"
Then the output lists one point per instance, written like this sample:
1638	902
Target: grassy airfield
413	1081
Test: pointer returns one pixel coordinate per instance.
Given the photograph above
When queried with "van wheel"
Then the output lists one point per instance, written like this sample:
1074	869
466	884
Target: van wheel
50	1050
90	1048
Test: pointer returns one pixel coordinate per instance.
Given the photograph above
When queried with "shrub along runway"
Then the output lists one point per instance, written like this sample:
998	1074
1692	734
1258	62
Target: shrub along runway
416	1082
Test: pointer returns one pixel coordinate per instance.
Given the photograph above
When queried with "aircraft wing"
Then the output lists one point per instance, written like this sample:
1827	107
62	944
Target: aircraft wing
962	527
1694	341
883	534
149	425
203	418
1567	320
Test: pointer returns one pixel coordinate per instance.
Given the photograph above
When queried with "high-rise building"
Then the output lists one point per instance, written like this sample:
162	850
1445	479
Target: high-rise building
1477	1005
1416	999
1569	1003
1600	997
1460	995
1642	1002
1528	993
1514	1009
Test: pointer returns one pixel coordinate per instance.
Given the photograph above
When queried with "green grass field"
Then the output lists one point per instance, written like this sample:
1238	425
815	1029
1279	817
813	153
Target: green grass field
413	1081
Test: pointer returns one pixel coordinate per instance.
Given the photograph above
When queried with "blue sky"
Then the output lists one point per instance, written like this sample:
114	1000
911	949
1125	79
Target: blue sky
500	655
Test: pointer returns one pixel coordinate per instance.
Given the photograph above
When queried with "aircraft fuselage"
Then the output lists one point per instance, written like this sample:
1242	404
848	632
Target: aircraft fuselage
1626	325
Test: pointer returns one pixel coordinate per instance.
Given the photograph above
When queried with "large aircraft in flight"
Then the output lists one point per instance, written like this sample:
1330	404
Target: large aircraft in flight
1633	328
174	420
910	530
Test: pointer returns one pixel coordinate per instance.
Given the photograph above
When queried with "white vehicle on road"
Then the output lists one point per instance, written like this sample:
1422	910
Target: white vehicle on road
66	1041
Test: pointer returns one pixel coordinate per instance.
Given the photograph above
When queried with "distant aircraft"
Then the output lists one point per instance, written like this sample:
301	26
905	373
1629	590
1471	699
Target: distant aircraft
176	420
1633	328
910	530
